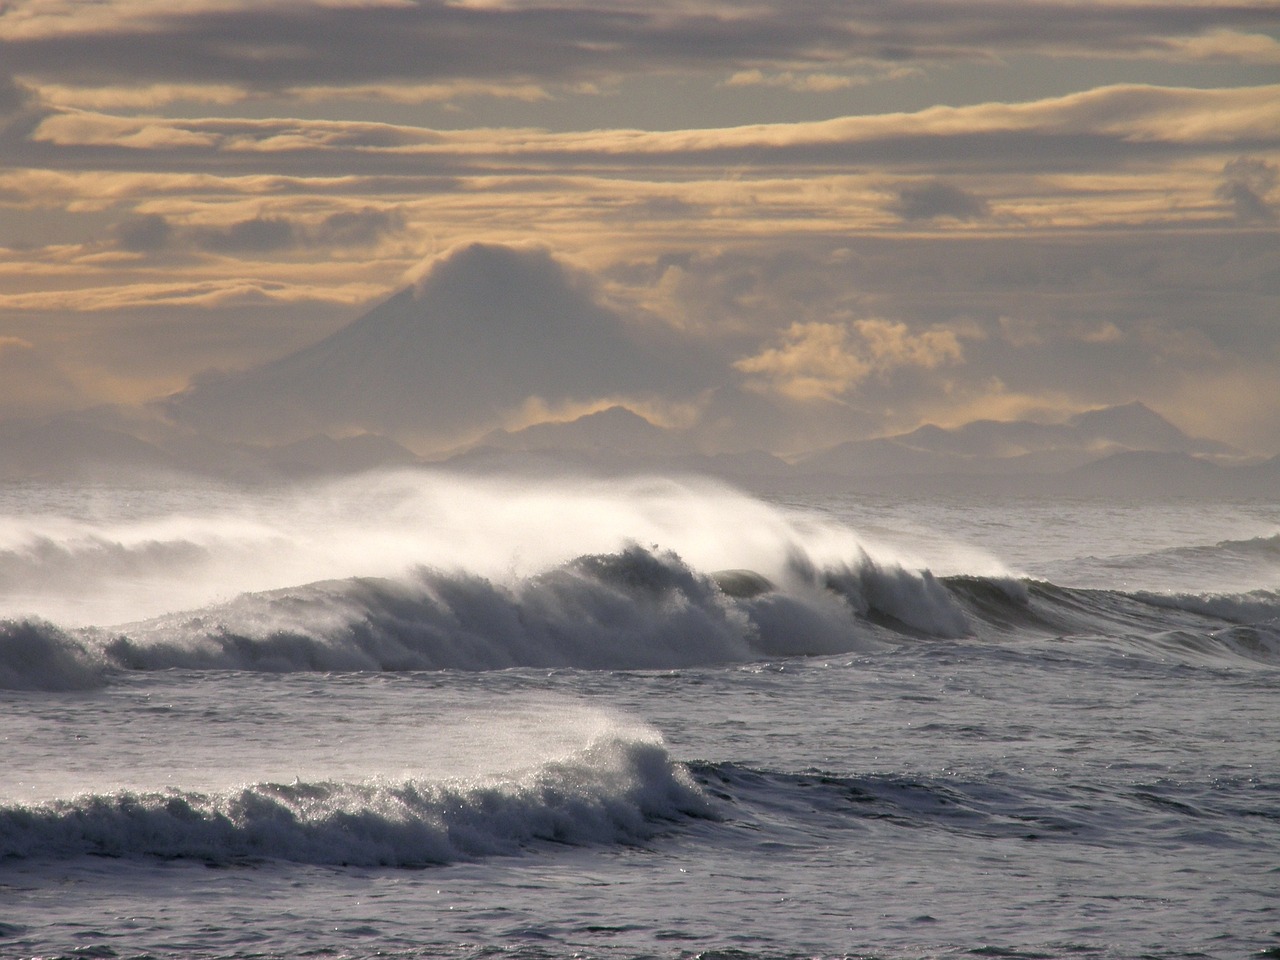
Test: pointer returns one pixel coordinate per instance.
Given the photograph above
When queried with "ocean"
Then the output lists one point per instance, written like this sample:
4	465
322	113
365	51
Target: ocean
421	714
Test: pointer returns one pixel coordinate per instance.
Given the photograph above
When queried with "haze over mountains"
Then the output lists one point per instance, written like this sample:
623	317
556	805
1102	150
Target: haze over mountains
487	332
502	358
930	460
1129	450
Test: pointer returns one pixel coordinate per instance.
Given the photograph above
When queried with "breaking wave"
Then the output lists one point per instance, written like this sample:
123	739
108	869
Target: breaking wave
639	608
420	571
635	609
613	791
38	656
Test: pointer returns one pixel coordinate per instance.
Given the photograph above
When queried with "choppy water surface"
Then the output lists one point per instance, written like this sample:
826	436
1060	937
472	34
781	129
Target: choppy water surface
411	716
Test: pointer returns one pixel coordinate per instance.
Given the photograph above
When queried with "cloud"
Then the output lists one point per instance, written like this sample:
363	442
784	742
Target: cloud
21	110
13	96
825	360
937	199
144	234
1121	157
892	345
660	207
1246	184
1105	128
292	46
256	235
799	83
1104	321
356	228
203	159
83	128
259	235
814	361
197	294
13	344
419	93
1055	321
148	97
1225	46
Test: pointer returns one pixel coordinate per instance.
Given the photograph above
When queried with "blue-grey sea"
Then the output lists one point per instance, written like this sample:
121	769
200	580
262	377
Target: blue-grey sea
417	714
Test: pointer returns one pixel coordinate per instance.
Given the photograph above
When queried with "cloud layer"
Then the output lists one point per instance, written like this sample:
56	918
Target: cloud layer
841	218
292	46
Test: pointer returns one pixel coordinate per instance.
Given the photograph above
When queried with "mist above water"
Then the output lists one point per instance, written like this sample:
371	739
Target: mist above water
125	554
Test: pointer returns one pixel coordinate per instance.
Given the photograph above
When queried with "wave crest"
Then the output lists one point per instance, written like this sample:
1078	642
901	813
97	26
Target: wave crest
637	608
35	655
614	791
634	609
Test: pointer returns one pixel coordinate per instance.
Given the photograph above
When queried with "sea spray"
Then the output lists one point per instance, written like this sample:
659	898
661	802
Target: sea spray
634	609
431	571
156	551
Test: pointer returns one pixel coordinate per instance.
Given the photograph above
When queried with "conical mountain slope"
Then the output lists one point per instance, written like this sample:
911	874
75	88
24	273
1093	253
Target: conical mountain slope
488	328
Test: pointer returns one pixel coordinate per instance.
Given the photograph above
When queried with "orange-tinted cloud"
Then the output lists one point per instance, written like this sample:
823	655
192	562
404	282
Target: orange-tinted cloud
826	360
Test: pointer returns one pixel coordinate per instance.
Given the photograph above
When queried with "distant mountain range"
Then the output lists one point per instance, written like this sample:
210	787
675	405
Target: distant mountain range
1127	450
612	430
1086	455
498	334
1018	446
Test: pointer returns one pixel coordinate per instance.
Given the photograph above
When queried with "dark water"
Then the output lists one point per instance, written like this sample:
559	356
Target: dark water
819	728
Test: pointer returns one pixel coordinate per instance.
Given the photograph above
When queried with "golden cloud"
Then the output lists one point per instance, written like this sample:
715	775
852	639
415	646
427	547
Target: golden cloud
822	361
1130	112
205	293
799	83
147	97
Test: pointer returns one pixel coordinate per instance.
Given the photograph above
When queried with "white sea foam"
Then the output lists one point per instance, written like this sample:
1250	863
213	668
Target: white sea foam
423	570
615	789
153	552
427	570
636	609
1086	730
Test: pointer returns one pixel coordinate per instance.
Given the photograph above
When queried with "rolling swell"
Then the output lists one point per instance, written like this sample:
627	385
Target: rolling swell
1253	551
614	791
1201	628
816	802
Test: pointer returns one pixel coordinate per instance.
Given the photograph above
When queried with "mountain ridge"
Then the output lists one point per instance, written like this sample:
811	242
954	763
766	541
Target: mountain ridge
69	449
1014	446
487	330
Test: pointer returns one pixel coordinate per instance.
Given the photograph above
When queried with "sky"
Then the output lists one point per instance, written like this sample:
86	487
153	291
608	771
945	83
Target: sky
837	219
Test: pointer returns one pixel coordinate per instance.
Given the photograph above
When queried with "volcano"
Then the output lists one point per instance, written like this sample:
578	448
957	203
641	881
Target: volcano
487	331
